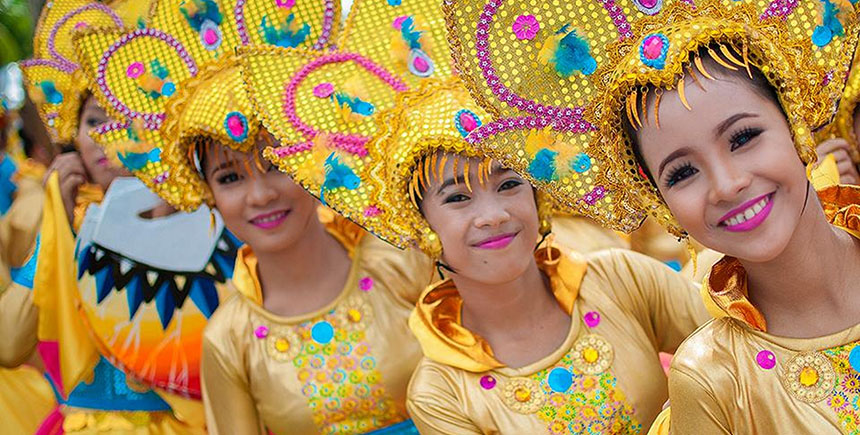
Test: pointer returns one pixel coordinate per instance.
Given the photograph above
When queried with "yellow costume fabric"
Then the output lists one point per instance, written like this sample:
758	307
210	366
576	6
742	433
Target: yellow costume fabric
341	369
731	376
20	224
26	399
583	235
625	308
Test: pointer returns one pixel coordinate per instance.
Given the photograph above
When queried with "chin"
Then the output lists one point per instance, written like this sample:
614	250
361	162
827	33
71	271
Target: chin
764	247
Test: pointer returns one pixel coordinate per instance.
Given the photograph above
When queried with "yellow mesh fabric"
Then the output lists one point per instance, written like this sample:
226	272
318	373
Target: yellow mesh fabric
372	30
52	76
177	78
322	106
508	53
843	124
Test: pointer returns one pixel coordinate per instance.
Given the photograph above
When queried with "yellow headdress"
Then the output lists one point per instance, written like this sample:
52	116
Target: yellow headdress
435	118
584	67
844	121
53	76
322	106
178	79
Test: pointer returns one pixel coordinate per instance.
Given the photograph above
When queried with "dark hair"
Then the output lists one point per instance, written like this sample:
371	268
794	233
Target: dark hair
758	83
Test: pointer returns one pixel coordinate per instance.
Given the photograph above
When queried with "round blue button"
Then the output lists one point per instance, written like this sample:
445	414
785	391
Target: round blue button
854	358
322	332
560	380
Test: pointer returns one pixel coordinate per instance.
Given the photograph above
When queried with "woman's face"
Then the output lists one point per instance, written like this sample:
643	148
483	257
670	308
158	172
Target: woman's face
99	168
727	169
488	234
263	207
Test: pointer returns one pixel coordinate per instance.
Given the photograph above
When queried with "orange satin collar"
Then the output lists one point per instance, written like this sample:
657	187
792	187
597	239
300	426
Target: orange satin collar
436	320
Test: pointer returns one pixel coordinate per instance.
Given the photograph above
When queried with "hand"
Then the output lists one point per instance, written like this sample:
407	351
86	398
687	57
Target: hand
71	174
848	173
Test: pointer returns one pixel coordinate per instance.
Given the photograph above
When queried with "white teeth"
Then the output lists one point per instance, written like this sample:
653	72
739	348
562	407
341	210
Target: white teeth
747	214
271	218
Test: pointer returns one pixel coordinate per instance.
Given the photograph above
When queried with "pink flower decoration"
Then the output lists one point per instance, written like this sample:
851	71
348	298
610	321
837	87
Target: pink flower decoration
261	332
372	211
365	284
323	90
285	3
526	27
135	69
398	22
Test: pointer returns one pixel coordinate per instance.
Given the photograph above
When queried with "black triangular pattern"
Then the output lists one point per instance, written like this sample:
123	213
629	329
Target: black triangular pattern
121	280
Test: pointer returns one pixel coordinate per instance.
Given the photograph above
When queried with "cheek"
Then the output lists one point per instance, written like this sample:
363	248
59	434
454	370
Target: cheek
688	203
229	204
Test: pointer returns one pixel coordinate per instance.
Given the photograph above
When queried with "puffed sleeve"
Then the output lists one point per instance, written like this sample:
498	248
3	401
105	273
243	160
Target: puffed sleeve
696	408
668	305
226	393
434	407
405	272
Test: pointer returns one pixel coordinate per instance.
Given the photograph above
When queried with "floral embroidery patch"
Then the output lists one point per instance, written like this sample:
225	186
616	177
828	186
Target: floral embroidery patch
569	401
845	399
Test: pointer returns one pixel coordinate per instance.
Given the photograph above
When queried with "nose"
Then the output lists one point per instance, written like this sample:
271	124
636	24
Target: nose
491	214
261	192
728	179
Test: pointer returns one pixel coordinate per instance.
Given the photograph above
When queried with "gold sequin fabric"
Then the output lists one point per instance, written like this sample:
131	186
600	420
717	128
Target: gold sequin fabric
423	122
510	57
843	123
322	106
177	79
52	76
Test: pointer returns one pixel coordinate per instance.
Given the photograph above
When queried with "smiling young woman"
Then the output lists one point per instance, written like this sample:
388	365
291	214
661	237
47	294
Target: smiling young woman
704	120
522	337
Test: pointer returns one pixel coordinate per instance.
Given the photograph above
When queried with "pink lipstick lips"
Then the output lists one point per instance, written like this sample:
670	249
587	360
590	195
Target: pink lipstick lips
271	220
496	242
749	215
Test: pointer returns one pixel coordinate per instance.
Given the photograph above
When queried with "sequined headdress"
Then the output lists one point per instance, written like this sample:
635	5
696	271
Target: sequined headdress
322	106
178	79
411	149
53	76
584	67
843	124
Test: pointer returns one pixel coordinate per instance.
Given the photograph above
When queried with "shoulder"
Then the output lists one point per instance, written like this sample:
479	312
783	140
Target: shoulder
228	321
611	262
405	272
707	357
432	379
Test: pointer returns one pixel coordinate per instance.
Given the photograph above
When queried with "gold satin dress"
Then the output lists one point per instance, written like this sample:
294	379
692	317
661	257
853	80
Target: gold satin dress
340	369
605	378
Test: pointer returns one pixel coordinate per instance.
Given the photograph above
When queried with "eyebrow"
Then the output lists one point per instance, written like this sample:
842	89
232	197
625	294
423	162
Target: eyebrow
731	120
224	165
497	170
678	153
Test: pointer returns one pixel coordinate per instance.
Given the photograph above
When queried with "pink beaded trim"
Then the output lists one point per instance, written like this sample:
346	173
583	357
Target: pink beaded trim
111	126
779	8
526	122
53	35
49	63
152	119
347	142
508	96
322	41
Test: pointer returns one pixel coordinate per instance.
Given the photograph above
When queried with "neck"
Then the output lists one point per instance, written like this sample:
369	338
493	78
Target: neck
303	264
509	307
820	258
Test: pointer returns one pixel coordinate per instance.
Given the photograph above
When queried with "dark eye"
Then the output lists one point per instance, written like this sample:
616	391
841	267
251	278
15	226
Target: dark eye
680	174
510	184
94	122
230	177
743	137
457	197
